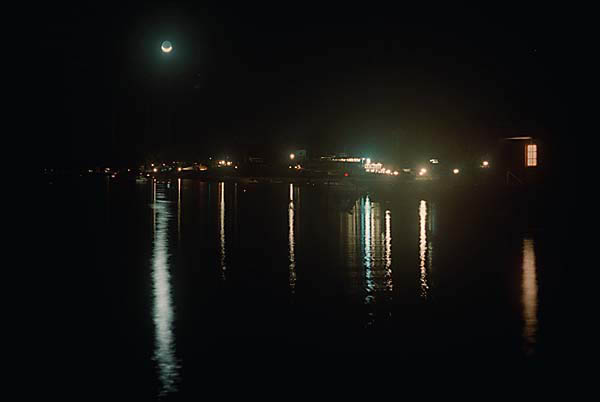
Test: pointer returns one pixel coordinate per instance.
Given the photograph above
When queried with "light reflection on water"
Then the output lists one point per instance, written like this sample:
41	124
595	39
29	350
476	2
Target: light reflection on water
423	249
179	210
366	250
163	313
291	241
368	257
389	285
529	297
367	247
221	206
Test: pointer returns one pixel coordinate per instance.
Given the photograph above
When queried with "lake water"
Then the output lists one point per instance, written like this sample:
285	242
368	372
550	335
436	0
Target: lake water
167	278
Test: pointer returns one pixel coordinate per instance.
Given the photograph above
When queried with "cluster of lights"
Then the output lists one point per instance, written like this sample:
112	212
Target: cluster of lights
294	167
354	160
180	167
422	172
344	159
378	168
224	163
374	167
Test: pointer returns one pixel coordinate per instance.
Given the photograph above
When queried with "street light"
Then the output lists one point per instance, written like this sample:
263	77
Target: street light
292	156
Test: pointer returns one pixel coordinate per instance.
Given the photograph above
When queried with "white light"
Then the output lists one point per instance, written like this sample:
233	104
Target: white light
423	247
485	163
291	242
162	309
368	161
222	237
292	156
455	171
395	173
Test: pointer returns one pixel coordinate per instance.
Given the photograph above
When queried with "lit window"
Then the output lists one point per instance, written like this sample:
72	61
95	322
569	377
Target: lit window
531	155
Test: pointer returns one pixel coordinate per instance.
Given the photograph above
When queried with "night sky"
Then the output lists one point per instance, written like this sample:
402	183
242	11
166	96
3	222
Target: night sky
392	83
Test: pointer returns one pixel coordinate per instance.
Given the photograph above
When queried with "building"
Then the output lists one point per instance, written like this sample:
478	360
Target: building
519	159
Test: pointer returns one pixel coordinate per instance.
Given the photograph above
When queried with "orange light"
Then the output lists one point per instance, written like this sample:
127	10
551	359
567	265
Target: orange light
531	156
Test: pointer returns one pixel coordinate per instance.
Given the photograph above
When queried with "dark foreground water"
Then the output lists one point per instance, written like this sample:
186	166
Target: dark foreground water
161	281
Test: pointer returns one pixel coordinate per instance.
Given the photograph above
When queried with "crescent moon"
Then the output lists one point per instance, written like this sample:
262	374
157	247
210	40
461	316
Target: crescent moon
166	47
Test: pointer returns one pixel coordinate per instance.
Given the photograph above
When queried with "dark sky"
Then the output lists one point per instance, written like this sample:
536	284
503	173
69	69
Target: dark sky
394	83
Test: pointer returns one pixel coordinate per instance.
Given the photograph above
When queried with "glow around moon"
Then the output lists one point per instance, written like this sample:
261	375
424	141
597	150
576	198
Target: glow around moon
166	47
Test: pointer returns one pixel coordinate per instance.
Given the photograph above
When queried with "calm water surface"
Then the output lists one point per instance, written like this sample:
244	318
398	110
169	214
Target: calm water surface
181	273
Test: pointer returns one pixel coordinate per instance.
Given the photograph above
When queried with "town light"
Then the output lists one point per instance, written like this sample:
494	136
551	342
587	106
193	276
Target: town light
485	164
422	172
455	171
292	156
